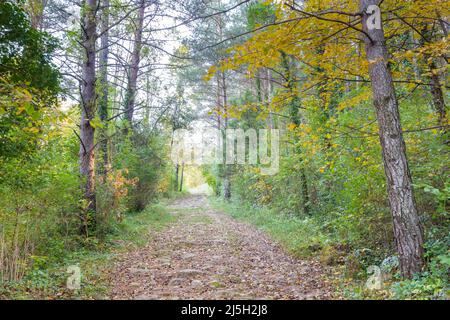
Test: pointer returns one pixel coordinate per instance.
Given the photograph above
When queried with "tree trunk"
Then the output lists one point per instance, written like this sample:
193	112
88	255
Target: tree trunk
435	83
130	99
407	228
35	9
103	103
222	101
177	169
218	188
227	173
438	97
295	119
258	87
88	95
182	177
269	92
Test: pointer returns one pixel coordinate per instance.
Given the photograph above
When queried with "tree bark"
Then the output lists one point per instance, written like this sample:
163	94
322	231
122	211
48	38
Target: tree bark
226	182
407	228
438	98
223	102
130	99
182	177
103	103
88	95
435	82
177	167
296	119
35	9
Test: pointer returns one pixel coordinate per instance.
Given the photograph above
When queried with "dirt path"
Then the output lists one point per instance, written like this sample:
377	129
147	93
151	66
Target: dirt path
209	255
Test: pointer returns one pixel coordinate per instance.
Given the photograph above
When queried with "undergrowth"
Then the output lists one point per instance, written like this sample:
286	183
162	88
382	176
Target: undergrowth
306	237
46	279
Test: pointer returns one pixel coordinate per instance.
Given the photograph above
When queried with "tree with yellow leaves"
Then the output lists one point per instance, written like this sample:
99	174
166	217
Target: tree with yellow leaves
342	43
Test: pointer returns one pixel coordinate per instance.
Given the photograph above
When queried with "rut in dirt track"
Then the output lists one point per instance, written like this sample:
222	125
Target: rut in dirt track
209	255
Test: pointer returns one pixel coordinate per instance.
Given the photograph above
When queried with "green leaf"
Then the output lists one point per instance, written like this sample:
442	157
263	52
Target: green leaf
96	123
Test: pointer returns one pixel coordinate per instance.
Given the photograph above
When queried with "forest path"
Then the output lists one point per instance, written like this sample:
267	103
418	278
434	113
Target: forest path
209	255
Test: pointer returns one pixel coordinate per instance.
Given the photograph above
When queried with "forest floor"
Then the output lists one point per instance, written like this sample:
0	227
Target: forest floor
207	254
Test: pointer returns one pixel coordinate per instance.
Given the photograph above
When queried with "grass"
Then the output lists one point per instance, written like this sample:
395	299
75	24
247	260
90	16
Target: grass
138	228
47	277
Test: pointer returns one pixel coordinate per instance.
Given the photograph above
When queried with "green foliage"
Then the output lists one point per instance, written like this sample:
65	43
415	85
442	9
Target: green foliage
334	142
29	82
259	14
433	282
138	227
350	225
47	273
144	156
330	156
37	206
25	53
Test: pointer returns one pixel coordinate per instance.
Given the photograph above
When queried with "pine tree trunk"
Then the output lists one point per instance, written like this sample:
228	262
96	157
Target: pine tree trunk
407	228
88	95
130	99
103	103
